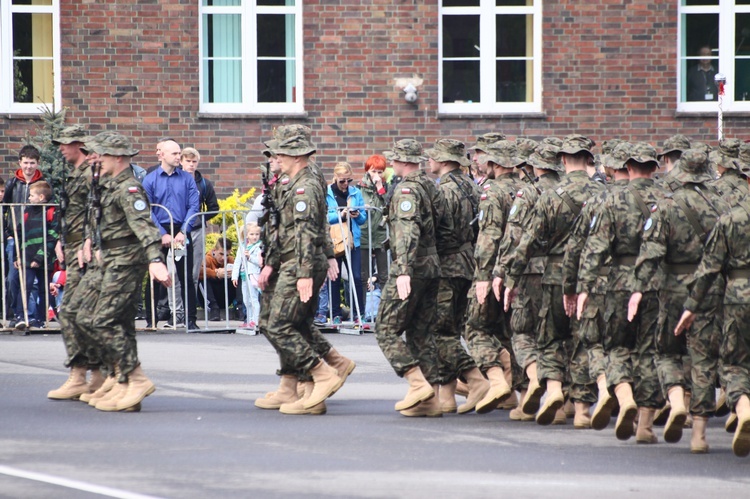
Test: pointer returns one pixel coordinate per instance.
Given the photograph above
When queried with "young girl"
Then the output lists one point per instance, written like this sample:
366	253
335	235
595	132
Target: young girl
248	270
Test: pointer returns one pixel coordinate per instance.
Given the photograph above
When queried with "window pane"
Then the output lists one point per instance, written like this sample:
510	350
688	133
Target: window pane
514	36
460	81
699	61
222	58
32	35
222	81
32	2
460	36
460	3
32	58
222	36
276	81
742	56
513	3
276	35
222	3
276	2
511	81
700	2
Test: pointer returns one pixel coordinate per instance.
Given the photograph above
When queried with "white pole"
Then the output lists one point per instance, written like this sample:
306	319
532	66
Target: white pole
720	80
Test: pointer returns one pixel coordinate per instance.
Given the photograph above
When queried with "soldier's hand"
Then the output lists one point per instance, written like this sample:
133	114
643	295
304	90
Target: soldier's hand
81	261
497	286
403	285
635	300
510	295
59	253
686	321
264	276
160	273
583	300
166	240
333	269
483	289
569	303
98	256
86	251
305	288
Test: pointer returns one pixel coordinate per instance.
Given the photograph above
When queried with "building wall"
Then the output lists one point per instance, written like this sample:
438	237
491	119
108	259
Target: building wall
609	71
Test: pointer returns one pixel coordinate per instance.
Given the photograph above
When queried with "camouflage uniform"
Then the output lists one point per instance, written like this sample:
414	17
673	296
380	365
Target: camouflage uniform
667	181
487	327
129	241
456	260
302	248
414	210
616	233
732	184
554	215
670	238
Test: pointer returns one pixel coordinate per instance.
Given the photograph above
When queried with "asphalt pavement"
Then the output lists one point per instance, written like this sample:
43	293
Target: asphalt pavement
199	436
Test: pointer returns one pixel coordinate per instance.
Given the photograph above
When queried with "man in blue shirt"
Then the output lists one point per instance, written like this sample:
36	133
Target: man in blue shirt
174	189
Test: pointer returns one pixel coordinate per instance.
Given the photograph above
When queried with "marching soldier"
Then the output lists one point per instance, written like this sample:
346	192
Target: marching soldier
725	159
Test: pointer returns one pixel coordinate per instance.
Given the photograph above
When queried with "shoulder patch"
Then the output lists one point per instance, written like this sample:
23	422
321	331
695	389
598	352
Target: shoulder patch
584	204
139	205
301	190
487	187
653	208
514	209
649	223
406	205
593	222
405	190
300	206
483	197
284	180
519	194
132	190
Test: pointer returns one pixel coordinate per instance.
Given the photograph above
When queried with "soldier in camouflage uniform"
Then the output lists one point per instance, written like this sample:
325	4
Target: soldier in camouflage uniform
525	307
484	169
674	238
550	226
629	346
457	264
486	323
130	243
727	256
725	159
668	158
80	357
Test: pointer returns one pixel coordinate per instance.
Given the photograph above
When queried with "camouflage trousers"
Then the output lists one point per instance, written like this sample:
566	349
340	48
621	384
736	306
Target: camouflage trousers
413	317
449	324
555	328
524	317
673	362
590	330
319	344
735	351
290	322
485	330
78	349
630	347
111	323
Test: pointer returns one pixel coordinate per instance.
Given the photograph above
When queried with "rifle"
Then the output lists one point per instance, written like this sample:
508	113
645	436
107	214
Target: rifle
63	223
532	180
94	203
474	205
270	210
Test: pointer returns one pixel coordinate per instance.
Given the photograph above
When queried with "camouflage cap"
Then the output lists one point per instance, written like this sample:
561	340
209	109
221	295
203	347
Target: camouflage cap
113	144
488	138
620	155
449	150
674	143
693	167
503	153
90	140
525	148
270	146
701	146
545	158
726	154
609	145
644	153
744	155
293	140
70	134
553	141
406	151
573	144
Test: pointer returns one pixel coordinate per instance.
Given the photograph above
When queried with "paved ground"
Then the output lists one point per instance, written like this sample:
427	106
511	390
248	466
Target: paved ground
200	436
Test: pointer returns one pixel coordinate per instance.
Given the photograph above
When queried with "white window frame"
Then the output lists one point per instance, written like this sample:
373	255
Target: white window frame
487	10
726	11
7	9
249	10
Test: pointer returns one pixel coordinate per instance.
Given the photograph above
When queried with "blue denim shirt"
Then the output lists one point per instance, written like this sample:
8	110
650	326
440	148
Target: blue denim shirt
177	193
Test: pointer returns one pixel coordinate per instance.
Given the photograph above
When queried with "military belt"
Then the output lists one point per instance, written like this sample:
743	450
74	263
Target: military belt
426	251
739	274
74	238
453	251
555	258
624	260
119	242
680	268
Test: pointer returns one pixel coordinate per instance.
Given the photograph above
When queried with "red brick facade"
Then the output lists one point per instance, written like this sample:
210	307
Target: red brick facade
609	70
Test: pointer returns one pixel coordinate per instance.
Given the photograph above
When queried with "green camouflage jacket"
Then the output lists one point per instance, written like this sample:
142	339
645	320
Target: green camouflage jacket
457	251
77	187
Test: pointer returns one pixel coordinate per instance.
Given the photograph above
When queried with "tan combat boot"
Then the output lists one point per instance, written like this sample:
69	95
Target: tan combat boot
512	401
554	401
429	408
581	418
560	417
722	408
109	402
327	382
569	408
731	424
419	390
677	415
297	407
604	405
463	389
95	382
103	390
499	391
478	388
448	397
74	386
517	413
286	393
689	419
343	365
644	434
698	444
530	403
661	416
139	387
628	411
741	440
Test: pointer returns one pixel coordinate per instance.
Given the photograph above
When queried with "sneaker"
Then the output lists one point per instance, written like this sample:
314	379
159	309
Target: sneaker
244	325
336	320
214	315
320	319
21	325
180	324
192	325
13	322
36	323
251	324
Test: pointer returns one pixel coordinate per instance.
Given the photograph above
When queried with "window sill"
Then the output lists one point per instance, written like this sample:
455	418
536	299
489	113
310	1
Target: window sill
22	116
251	116
709	114
492	116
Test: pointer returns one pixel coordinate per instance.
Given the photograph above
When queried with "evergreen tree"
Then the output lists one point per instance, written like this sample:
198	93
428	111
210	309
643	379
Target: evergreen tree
52	162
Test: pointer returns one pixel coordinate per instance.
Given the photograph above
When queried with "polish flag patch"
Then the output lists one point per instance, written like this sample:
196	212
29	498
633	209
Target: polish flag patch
132	190
483	197
519	194
405	190
301	190
285	181
487	187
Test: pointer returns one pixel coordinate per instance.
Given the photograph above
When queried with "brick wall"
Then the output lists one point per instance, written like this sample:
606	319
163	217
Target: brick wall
609	71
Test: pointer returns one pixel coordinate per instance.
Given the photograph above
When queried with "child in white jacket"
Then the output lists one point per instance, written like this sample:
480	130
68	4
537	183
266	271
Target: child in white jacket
247	270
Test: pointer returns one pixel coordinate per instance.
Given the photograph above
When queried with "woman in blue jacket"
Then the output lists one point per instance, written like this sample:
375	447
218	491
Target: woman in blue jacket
346	201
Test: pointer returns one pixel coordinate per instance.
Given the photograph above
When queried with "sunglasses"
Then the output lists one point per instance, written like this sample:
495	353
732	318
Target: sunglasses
345	181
